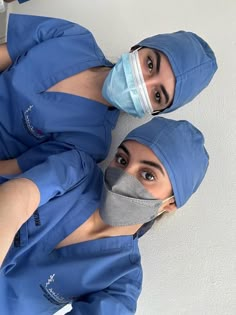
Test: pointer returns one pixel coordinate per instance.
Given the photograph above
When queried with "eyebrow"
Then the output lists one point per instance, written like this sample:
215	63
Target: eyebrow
150	163
158	64
156	165
165	93
158	60
123	147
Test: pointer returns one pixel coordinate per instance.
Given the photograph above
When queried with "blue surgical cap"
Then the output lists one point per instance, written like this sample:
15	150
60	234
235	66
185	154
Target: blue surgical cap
180	148
192	60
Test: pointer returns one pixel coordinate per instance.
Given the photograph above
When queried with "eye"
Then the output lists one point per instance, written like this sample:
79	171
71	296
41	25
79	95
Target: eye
120	160
148	176
158	97
150	64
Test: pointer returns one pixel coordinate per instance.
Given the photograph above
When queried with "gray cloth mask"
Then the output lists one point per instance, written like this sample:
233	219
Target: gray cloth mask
125	201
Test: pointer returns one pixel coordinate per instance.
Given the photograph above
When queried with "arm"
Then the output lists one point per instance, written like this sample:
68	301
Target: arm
9	167
55	167
59	173
33	156
19	198
5	59
26	31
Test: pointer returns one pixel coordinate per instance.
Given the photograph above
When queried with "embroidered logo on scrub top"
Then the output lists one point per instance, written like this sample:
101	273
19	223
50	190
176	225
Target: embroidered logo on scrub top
49	290
37	133
37	220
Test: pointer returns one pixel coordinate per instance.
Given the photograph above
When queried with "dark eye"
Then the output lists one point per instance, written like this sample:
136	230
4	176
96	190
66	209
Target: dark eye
158	97
120	160
148	176
150	64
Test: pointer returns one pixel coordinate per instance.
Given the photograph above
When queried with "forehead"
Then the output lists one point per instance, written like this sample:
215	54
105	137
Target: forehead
139	152
162	76
143	51
134	145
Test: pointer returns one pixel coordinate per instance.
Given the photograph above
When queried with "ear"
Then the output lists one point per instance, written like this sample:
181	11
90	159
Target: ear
169	205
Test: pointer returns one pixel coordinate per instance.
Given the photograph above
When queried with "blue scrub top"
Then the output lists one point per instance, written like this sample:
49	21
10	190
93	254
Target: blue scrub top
102	276
45	131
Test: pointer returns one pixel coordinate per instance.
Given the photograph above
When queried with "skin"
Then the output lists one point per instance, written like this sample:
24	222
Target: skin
158	76
5	59
139	161
19	198
156	69
155	77
157	73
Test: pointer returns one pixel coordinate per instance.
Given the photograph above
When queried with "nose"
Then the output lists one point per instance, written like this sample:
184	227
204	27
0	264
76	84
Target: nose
151	81
152	85
131	170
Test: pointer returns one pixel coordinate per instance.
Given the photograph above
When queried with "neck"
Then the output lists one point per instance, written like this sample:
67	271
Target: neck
97	78
95	228
99	228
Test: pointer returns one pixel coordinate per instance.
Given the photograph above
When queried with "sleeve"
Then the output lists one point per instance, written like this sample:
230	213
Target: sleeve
120	298
59	173
41	152
27	31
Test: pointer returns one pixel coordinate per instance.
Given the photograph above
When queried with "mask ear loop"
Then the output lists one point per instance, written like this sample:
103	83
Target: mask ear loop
158	214
137	49
155	112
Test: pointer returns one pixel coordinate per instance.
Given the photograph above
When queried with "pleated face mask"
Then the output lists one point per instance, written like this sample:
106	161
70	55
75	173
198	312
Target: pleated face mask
125	201
125	87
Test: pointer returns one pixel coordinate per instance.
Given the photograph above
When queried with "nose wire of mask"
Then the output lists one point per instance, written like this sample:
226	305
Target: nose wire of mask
119	88
139	82
125	201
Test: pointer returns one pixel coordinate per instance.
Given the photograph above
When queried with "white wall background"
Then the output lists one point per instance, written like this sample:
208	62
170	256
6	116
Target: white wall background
189	258
2	26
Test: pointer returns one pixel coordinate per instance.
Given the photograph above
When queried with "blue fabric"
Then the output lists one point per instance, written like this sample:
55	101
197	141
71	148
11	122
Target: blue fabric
102	276
22	1
36	124
192	60
180	148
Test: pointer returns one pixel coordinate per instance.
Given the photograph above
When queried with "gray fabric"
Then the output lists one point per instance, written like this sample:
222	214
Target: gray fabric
125	201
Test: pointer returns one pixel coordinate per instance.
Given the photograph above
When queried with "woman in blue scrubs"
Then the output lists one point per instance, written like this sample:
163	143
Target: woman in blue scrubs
60	97
82	248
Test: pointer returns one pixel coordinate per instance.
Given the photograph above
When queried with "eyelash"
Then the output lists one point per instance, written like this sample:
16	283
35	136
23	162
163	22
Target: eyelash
157	98
157	95
119	157
149	62
149	173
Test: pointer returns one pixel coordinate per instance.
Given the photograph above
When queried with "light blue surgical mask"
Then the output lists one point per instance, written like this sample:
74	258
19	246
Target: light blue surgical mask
125	87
